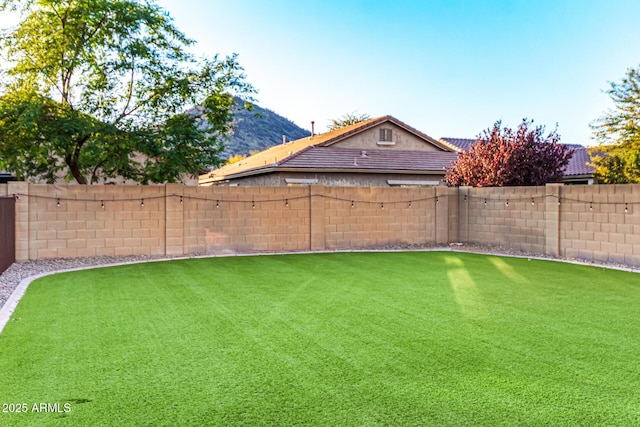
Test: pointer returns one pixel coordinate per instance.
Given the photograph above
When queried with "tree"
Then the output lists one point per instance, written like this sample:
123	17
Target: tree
347	120
100	89
617	158
503	157
235	159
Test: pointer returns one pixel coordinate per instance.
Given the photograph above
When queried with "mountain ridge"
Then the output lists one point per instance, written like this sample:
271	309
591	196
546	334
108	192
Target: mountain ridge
259	129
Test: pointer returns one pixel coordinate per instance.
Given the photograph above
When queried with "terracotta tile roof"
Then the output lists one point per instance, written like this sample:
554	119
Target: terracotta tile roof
333	158
277	155
267	158
578	164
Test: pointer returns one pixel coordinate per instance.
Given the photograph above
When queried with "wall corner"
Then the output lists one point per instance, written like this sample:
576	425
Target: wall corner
20	190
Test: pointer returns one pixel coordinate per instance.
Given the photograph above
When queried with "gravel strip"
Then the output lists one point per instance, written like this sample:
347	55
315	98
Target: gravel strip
12	277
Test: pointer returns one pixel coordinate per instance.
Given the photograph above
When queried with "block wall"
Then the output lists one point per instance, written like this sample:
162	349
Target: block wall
98	220
66	221
594	222
218	220
510	217
588	222
374	216
601	223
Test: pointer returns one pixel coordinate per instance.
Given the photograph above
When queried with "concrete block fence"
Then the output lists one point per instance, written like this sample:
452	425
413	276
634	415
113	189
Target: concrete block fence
590	222
595	222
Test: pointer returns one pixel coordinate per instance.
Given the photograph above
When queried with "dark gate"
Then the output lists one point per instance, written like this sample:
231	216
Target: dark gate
7	232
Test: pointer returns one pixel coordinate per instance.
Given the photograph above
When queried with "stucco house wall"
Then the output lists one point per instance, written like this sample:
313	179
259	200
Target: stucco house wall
292	179
402	140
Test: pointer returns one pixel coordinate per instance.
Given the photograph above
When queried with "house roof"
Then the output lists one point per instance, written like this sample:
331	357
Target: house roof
371	159
578	164
299	153
458	144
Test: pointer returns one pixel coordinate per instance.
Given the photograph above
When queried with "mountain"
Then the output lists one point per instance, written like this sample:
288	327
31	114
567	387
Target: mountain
259	129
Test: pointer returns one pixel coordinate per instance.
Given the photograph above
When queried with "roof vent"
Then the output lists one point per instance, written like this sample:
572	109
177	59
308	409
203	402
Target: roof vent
313	128
284	139
364	154
355	161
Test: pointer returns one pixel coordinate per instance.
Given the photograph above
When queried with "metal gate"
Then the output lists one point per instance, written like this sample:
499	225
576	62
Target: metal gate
7	232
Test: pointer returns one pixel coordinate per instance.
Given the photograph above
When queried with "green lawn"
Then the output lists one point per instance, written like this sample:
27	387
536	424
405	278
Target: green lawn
431	338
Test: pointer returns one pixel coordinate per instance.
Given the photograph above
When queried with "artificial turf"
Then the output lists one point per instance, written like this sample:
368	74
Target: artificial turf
416	338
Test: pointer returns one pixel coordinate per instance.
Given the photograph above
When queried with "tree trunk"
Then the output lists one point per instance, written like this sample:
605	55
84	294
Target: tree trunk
72	162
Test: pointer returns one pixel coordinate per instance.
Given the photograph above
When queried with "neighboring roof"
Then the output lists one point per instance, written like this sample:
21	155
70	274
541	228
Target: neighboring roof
458	144
578	164
279	155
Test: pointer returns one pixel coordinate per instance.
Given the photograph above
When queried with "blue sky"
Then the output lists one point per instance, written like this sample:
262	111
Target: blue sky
448	68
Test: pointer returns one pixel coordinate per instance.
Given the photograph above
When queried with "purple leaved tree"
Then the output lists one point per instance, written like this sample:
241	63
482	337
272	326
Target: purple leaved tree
502	157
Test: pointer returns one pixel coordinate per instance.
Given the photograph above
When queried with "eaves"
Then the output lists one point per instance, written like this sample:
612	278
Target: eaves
272	169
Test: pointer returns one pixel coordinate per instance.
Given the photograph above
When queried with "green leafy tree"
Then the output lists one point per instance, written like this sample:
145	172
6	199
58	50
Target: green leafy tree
347	120
101	89
617	158
503	157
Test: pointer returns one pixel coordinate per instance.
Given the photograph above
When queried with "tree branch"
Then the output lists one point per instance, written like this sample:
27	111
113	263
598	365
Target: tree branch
94	172
73	160
131	80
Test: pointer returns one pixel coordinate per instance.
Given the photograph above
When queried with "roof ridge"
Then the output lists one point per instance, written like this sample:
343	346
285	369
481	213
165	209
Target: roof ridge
415	131
349	130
